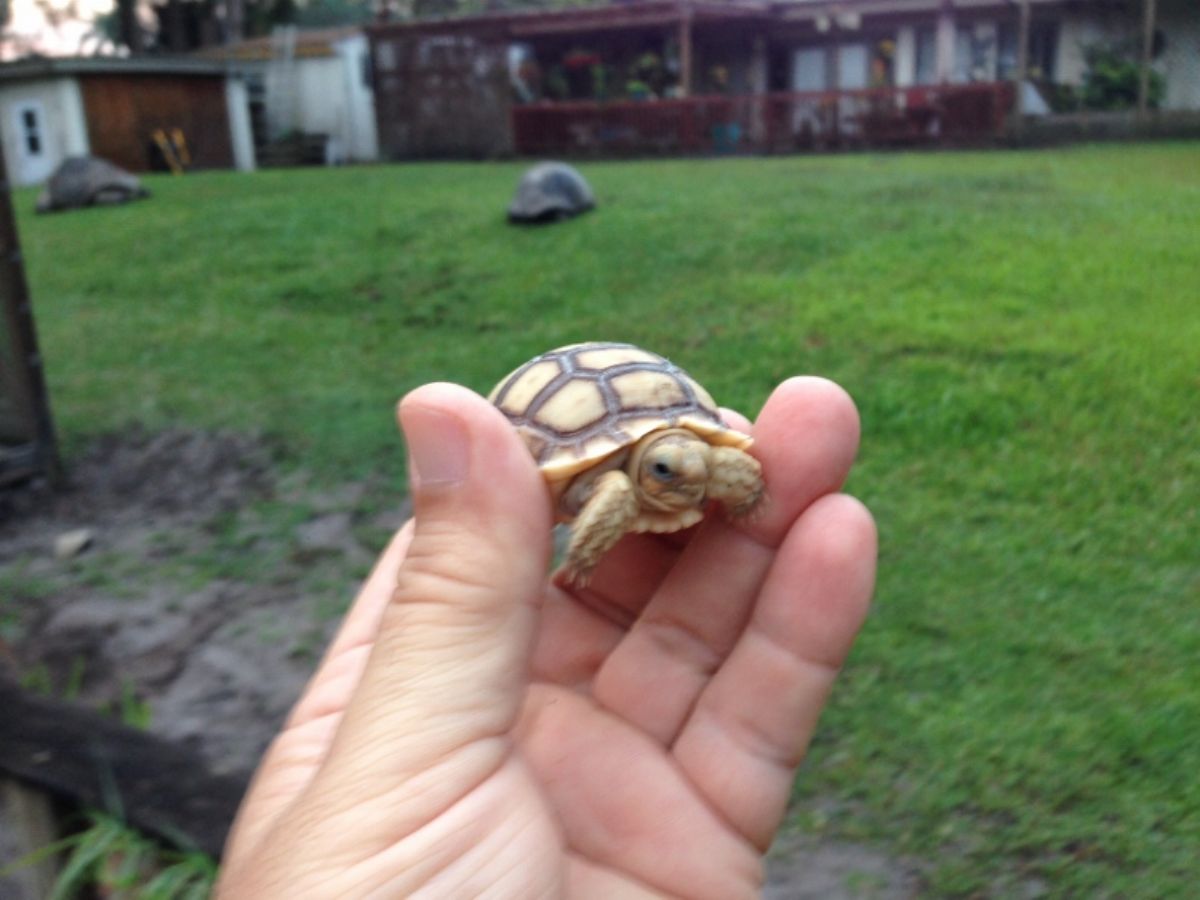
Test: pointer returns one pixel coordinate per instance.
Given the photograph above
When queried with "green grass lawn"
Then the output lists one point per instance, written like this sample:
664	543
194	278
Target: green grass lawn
1021	332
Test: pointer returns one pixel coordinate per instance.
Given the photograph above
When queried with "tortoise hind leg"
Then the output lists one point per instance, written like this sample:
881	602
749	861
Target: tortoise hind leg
605	516
735	478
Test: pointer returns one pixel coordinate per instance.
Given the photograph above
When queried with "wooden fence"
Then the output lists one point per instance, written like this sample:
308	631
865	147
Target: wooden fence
766	123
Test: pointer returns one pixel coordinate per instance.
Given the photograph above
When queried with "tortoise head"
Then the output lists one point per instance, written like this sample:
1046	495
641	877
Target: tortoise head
669	470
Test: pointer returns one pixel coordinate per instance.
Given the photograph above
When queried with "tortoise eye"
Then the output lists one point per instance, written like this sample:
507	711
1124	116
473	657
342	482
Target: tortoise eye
662	471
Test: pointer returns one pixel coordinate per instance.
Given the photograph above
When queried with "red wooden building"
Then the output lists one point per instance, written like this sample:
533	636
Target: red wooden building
674	76
712	76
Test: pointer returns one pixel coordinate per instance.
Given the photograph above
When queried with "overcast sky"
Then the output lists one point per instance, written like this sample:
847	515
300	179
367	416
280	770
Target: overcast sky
31	30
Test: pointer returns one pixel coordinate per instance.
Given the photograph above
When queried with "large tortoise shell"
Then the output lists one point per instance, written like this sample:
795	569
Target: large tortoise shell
578	405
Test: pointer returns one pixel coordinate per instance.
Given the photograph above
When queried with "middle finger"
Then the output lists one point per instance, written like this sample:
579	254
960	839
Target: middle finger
806	439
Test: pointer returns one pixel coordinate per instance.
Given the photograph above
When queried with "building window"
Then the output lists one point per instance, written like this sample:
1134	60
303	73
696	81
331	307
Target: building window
1043	50
31	131
1006	52
926	67
808	69
853	66
974	54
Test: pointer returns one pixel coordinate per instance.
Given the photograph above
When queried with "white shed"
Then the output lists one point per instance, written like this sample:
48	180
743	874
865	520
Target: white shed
112	107
314	82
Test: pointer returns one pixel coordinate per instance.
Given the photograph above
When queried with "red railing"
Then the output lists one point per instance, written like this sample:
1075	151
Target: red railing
765	123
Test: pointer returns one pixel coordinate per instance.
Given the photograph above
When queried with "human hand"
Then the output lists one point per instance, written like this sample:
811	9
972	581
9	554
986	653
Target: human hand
478	729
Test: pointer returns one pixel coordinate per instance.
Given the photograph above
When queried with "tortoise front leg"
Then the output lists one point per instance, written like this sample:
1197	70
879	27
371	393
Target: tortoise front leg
735	478
605	516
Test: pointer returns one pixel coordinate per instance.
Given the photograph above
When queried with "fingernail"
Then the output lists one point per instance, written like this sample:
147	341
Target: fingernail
437	446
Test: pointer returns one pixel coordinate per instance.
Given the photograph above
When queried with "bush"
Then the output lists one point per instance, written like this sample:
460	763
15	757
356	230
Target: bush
1111	79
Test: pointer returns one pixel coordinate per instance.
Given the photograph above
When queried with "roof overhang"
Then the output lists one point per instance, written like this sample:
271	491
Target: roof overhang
663	13
46	67
807	10
317	43
610	17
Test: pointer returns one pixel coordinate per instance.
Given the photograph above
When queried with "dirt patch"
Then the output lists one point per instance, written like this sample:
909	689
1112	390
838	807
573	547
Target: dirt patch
207	591
801	867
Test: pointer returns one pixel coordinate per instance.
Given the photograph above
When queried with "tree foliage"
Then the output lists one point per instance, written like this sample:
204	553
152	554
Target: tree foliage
189	24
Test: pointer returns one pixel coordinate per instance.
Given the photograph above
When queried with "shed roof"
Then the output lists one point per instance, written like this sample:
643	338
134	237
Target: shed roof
310	43
48	67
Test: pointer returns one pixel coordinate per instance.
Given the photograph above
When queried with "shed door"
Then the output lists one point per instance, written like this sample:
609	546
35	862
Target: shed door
35	157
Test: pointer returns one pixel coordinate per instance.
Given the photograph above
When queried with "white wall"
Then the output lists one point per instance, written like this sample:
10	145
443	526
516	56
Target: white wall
329	96
362	140
1078	29
64	131
1180	61
319	91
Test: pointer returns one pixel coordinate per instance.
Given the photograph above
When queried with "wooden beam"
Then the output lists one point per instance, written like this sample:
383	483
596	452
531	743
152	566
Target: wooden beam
157	786
685	52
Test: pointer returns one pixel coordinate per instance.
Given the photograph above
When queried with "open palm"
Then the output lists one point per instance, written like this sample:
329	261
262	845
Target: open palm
476	730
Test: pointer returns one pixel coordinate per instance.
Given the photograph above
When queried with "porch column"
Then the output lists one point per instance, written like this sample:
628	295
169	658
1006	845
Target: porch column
685	52
1148	14
758	66
1022	60
905	72
945	42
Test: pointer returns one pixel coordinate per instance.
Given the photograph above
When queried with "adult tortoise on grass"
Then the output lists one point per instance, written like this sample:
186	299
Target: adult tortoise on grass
627	441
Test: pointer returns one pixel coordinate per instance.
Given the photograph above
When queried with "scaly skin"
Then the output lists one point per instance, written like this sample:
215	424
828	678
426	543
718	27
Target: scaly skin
606	515
734	478
614	502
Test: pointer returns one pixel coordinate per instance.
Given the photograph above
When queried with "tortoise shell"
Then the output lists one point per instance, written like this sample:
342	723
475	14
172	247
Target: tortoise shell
577	406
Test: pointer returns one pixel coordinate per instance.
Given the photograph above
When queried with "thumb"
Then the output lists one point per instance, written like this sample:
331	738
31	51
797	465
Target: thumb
447	673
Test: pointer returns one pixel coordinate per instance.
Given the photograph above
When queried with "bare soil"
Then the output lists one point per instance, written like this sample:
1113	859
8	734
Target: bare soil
212	582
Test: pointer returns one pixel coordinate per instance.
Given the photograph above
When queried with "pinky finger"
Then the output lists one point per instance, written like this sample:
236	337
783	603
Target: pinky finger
752	725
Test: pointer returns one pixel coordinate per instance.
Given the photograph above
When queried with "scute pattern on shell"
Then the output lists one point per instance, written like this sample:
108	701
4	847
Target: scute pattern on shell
586	363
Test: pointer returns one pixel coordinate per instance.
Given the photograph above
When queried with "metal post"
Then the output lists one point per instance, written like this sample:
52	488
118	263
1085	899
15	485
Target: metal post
30	401
1147	58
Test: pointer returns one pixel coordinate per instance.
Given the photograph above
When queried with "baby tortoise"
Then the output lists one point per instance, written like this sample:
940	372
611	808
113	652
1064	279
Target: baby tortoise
627	441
